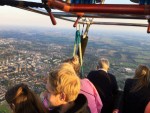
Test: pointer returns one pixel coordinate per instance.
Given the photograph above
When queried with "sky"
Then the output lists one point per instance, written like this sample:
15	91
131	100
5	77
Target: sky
12	16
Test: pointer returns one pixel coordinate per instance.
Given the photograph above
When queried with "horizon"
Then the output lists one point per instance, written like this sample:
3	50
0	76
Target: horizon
111	29
121	31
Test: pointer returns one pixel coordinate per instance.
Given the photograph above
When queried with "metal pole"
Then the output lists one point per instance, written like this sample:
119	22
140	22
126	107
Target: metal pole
101	8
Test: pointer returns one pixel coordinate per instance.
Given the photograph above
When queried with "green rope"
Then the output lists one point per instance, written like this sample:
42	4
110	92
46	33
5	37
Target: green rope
78	43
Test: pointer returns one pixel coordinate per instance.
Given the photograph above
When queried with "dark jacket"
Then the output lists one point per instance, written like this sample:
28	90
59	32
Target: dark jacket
135	102
107	88
80	106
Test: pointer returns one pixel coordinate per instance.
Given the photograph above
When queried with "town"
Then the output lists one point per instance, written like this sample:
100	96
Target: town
23	66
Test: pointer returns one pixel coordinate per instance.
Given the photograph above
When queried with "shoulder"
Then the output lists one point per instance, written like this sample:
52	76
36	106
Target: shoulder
97	72
128	84
85	81
87	85
129	81
94	72
111	76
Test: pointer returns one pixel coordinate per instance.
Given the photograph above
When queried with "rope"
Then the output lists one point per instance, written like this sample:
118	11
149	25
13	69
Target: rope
84	39
78	43
87	28
76	39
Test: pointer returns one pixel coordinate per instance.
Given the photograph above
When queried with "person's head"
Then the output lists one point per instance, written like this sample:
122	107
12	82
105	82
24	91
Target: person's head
142	74
22	100
103	63
74	61
63	85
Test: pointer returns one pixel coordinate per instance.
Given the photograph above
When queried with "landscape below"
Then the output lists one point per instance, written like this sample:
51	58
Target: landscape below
28	54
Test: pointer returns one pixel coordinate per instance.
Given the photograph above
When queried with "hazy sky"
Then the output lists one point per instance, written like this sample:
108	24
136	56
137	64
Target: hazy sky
13	16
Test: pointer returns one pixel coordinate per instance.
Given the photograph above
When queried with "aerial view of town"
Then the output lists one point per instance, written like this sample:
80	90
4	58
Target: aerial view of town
28	55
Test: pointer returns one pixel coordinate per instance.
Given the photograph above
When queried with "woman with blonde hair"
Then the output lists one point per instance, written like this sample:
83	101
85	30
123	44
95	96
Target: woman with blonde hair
22	100
136	97
63	87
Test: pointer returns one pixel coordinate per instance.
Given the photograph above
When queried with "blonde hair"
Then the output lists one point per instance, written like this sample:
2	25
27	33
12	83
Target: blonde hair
74	61
103	61
142	74
64	80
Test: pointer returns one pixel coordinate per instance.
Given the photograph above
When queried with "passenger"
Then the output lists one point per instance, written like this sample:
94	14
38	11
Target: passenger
22	100
105	84
63	87
87	88
137	92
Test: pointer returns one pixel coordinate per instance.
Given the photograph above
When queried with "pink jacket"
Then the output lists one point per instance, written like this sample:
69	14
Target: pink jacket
94	100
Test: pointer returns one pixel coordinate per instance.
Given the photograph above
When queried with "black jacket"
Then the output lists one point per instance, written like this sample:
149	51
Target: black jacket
80	106
107	88
135	102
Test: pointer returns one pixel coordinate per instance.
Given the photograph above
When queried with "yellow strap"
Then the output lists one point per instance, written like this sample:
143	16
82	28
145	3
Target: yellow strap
74	50
80	52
